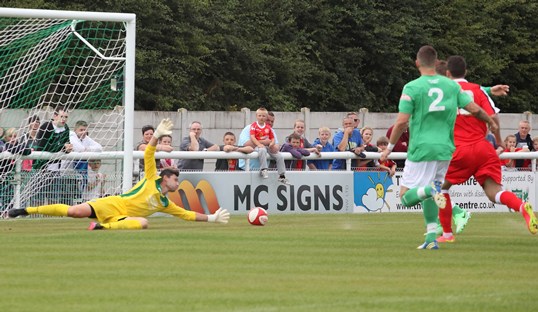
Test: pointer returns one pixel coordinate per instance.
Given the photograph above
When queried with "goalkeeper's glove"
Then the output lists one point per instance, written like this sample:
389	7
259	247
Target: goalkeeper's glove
164	128
220	216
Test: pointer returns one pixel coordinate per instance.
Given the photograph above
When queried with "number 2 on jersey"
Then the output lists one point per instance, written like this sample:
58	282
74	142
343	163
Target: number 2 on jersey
438	94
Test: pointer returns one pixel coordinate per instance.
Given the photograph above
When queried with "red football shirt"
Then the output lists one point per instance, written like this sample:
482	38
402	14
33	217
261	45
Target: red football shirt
261	132
469	129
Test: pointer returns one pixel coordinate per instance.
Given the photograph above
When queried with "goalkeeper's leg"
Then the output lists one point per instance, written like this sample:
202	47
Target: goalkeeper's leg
60	210
131	223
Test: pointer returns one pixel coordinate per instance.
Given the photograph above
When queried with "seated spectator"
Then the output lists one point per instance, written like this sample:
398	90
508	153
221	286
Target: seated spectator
195	142
299	129
510	143
28	138
229	146
166	140
523	138
263	140
293	146
244	136
347	139
322	144
387	165
96	181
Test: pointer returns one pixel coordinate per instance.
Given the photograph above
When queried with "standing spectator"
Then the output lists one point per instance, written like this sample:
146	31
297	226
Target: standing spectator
166	140
96	181
535	146
263	140
293	146
13	146
367	134
147	134
355	117
299	129
429	105
229	146
28	138
523	139
195	142
53	137
387	165
82	143
510	143
347	139
401	145
323	145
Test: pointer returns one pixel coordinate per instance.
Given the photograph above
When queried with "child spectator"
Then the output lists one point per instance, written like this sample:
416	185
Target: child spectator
322	144
166	140
293	146
299	128
229	146
96	181
367	134
262	140
387	165
510	143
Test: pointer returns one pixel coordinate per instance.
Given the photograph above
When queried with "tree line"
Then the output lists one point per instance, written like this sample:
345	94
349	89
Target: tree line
328	55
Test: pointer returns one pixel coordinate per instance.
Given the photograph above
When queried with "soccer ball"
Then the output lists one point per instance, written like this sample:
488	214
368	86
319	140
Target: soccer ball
257	216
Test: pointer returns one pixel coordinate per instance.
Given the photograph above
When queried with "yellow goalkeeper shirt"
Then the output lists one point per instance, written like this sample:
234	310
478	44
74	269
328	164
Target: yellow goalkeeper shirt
146	198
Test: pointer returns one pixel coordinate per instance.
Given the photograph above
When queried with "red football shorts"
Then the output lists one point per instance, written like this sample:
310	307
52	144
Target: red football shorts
479	160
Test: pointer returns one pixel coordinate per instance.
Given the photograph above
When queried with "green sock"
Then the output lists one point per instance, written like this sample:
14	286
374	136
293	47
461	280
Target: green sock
416	195
456	210
431	213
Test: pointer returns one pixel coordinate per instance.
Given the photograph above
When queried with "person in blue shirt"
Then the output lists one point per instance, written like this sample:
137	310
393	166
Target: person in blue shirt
347	139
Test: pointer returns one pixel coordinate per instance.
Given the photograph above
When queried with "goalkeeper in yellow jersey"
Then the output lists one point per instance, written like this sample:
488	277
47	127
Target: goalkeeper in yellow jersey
129	210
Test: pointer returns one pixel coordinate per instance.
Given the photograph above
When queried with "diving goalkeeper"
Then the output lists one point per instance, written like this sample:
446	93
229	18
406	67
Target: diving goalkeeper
129	210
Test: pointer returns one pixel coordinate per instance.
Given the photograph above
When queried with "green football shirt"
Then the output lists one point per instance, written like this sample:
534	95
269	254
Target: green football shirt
432	102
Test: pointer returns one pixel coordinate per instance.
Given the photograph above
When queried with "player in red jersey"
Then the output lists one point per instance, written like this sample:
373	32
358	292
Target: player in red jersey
475	156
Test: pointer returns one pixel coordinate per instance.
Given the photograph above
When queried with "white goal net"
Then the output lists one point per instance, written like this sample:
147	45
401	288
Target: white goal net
65	79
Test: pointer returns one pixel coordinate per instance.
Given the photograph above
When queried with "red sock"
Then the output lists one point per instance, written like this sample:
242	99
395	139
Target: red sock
511	200
445	215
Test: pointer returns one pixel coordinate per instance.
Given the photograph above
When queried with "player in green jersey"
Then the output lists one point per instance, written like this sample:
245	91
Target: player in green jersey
428	105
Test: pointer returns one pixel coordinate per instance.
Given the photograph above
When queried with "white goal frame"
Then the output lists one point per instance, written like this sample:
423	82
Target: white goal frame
129	21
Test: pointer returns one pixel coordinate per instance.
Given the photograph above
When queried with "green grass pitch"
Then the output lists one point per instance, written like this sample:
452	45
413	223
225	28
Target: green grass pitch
318	262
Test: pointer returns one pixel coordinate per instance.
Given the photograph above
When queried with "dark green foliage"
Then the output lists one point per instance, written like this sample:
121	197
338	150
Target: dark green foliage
322	54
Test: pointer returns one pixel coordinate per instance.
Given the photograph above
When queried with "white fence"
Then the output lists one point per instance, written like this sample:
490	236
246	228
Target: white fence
310	191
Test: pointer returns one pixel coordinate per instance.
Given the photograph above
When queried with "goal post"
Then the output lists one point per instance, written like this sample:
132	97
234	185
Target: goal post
78	61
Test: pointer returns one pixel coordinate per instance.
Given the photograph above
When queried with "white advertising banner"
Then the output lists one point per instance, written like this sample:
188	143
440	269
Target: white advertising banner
308	192
326	192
